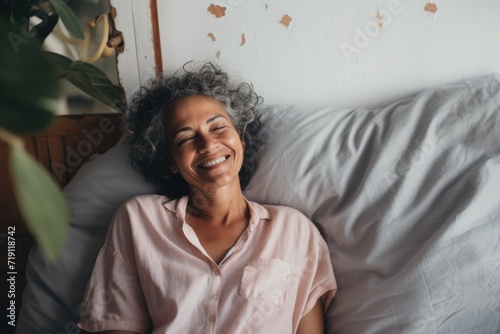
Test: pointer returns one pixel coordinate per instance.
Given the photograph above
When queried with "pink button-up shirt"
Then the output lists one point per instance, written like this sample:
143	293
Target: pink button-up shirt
153	275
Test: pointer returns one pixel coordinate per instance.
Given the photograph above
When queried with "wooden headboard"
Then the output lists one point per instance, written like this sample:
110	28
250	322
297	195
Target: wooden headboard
62	149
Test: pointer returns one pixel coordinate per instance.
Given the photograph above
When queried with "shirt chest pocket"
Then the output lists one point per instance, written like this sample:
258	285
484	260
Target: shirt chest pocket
265	279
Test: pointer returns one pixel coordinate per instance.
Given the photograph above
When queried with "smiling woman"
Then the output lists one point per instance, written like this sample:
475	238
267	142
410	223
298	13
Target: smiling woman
151	104
206	148
204	259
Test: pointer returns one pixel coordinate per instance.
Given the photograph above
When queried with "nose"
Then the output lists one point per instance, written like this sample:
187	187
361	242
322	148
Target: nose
206	143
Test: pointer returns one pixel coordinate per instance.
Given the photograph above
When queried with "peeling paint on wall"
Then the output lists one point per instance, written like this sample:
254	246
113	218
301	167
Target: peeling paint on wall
431	7
338	43
378	17
217	10
285	20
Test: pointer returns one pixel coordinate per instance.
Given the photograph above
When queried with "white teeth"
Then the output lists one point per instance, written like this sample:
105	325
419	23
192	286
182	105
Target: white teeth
213	163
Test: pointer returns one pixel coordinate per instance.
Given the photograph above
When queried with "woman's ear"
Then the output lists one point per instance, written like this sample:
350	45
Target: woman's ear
172	167
173	170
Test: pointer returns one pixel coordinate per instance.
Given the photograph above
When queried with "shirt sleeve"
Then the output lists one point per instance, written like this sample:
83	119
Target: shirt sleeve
318	280
114	299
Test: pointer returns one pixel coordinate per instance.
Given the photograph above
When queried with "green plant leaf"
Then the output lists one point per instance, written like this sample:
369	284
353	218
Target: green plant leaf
100	86
95	75
61	63
110	95
90	80
41	202
29	86
68	18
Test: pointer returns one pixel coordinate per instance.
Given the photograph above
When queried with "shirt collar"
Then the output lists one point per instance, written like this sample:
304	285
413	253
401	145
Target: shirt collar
257	211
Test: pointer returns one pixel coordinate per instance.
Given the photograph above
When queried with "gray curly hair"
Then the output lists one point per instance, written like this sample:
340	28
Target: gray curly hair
144	124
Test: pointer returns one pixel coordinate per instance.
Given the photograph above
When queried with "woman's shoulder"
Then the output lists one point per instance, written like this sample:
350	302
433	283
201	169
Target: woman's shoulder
141	213
283	210
285	215
144	203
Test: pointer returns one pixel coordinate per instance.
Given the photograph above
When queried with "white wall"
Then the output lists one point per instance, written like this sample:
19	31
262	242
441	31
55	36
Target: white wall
323	58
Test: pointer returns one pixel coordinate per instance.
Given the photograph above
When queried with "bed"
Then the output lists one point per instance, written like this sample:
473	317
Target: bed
403	186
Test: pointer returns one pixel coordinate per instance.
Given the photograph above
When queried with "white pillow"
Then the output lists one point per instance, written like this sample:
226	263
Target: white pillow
406	196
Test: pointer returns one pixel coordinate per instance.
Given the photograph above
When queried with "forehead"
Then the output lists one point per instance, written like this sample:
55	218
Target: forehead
196	105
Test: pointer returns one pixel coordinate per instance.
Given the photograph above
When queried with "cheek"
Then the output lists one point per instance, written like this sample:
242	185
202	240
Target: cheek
179	157
238	144
241	148
236	140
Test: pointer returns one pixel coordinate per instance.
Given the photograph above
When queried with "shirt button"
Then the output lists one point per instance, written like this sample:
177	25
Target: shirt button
216	273
244	237
211	318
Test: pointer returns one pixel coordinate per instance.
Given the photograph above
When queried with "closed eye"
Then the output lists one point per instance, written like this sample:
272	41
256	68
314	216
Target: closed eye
218	127
184	140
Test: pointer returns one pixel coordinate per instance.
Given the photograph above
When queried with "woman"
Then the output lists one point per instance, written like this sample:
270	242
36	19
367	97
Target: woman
208	260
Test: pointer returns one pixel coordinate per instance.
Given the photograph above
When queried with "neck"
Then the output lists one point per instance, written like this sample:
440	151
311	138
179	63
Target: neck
220	206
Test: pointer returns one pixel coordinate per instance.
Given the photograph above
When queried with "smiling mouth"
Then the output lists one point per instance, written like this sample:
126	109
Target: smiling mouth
213	162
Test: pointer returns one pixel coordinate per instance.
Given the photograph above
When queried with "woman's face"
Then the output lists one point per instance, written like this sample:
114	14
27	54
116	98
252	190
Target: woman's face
205	146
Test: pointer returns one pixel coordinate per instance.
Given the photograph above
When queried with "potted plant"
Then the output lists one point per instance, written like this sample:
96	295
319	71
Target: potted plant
29	94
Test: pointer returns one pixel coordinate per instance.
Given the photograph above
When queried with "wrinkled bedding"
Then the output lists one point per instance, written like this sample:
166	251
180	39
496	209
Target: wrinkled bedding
407	197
